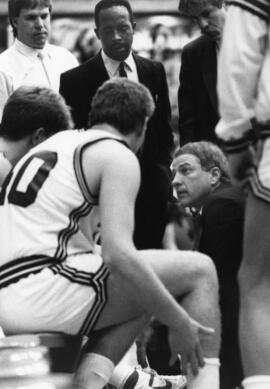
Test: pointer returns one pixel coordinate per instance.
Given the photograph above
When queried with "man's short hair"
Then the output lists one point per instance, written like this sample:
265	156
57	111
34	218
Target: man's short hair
15	7
123	104
209	155
193	8
104	4
30	108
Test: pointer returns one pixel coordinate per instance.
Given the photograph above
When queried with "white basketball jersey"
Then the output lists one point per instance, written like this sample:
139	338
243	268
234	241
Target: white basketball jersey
46	209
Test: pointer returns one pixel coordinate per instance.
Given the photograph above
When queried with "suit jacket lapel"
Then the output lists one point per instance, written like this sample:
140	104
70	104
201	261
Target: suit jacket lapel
143	72
95	72
209	71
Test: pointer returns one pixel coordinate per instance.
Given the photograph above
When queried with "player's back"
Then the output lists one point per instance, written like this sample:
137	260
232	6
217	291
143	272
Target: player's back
45	203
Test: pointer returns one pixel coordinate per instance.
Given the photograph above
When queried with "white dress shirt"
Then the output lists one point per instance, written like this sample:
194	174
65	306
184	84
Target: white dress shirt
23	65
112	66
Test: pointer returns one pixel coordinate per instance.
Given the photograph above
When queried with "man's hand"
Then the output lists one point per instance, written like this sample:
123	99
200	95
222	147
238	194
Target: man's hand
241	165
186	342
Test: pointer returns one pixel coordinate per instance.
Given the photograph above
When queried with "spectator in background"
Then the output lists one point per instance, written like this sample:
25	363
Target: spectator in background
160	35
202	184
244	93
115	28
31	60
86	46
197	97
31	114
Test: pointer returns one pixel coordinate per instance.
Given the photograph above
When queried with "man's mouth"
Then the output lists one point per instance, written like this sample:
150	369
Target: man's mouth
118	48
41	35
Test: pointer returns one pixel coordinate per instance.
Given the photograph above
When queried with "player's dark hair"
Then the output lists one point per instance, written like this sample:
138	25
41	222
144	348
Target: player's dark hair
30	108
122	103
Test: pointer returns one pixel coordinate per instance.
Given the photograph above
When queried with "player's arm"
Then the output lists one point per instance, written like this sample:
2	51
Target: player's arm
239	66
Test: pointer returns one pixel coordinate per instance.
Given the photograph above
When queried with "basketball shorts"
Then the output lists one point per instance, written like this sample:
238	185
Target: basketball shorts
66	297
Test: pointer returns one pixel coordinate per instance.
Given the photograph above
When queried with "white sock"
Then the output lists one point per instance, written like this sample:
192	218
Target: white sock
120	375
93	372
257	382
124	368
130	357
208	377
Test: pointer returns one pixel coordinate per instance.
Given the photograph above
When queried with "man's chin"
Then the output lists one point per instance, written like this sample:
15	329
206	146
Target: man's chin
119	55
39	45
214	36
184	202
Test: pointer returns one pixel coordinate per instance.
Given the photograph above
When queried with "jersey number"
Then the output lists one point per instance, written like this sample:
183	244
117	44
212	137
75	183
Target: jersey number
23	199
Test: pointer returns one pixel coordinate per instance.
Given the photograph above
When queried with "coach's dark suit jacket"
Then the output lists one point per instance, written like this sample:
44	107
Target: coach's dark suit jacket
197	96
78	87
222	222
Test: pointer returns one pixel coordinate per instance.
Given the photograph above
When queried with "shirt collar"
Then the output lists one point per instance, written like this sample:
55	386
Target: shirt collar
112	65
29	51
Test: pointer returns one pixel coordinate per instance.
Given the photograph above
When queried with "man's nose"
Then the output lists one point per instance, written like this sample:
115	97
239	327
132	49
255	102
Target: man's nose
204	22
38	22
177	181
116	35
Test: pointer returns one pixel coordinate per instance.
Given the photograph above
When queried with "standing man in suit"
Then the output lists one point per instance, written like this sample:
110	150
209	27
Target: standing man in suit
202	184
197	97
115	28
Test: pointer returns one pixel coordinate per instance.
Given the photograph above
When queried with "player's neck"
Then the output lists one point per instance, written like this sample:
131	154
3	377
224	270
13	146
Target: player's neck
13	150
131	139
108	128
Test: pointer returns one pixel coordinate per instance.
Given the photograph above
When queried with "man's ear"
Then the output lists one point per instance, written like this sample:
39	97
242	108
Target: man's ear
14	22
215	175
134	25
38	136
97	33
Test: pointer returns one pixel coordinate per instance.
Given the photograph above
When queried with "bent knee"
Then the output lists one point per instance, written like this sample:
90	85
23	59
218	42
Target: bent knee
206	270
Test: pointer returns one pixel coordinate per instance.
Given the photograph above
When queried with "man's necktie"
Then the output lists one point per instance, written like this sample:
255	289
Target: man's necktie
41	58
121	69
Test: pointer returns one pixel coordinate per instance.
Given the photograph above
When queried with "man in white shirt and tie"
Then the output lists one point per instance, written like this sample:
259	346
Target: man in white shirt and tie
31	60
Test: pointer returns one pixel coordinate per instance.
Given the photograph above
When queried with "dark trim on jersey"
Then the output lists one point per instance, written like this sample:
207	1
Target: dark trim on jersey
99	283
77	162
13	271
73	274
258	189
260	8
73	226
237	145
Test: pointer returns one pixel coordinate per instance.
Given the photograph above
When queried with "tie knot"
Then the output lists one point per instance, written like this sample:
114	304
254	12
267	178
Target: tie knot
122	70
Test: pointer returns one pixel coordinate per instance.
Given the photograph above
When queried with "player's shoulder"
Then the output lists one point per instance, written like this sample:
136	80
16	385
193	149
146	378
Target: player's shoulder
112	152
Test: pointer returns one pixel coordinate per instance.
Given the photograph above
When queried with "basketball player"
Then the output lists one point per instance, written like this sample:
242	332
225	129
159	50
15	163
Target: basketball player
31	114
65	194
